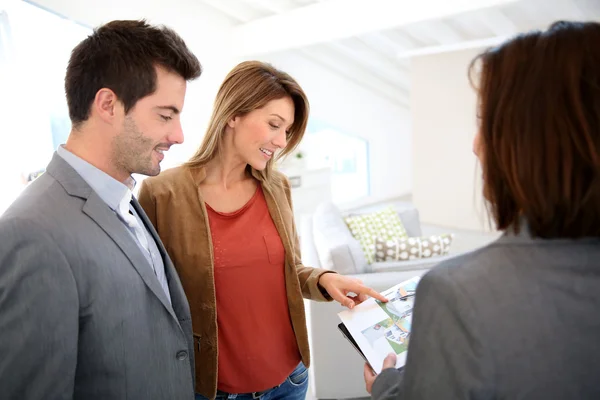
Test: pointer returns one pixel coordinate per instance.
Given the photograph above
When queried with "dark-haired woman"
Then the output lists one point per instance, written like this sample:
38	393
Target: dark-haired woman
519	319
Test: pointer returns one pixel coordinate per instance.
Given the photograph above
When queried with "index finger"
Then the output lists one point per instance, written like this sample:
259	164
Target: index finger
362	289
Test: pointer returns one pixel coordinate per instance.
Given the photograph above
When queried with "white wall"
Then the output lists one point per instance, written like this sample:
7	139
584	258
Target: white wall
446	176
336	100
345	105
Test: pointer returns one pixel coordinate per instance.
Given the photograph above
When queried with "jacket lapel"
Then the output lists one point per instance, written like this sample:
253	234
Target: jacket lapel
102	215
279	225
178	298
97	210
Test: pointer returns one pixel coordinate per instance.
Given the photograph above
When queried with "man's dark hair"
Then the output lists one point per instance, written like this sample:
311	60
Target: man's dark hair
123	56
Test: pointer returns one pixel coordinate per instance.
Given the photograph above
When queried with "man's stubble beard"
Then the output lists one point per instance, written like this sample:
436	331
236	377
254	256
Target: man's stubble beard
132	150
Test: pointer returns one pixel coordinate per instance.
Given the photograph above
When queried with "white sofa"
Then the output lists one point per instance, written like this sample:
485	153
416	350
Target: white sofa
336	369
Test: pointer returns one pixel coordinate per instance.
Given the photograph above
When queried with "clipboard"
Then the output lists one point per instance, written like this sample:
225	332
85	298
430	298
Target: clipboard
350	339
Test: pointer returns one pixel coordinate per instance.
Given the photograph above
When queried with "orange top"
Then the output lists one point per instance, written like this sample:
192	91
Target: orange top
256	343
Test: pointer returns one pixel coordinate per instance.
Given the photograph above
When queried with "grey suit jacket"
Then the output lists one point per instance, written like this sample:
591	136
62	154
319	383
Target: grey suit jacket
519	319
82	315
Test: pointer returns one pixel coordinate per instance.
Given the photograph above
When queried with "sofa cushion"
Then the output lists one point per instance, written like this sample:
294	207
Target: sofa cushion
366	228
400	249
410	221
337	249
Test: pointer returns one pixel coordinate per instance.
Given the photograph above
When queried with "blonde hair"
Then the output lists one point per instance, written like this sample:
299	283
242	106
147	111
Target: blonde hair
250	86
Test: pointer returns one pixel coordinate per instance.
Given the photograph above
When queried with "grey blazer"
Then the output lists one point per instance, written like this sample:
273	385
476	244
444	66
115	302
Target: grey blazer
82	315
519	319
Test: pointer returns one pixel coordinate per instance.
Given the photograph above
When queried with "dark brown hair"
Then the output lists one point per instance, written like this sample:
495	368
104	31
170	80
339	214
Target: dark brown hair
539	109
122	56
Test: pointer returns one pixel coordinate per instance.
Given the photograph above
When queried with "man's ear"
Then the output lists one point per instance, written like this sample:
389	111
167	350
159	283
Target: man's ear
106	105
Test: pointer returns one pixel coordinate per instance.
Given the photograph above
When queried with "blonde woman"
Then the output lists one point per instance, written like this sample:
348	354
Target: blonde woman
226	220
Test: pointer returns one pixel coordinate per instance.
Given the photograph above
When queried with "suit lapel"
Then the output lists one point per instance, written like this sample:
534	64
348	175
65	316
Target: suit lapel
178	298
102	215
97	210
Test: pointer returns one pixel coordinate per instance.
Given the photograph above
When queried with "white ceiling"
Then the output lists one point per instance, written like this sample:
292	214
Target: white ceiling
371	41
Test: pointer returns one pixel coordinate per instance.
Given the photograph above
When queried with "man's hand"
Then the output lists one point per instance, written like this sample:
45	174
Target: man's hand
338	287
370	376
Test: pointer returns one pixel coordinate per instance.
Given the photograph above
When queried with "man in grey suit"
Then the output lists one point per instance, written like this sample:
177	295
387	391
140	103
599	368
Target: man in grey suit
90	304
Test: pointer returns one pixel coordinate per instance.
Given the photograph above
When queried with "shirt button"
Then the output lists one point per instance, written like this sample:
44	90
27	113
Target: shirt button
182	355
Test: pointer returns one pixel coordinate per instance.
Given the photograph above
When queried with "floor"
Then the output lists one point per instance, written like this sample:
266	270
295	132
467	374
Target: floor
309	396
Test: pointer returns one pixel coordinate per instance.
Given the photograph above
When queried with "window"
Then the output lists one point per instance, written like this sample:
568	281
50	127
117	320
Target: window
32	70
345	154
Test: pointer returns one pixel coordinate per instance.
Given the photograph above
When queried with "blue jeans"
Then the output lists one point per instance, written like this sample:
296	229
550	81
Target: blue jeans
293	388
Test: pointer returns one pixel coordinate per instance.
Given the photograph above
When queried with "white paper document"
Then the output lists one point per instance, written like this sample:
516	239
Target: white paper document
382	328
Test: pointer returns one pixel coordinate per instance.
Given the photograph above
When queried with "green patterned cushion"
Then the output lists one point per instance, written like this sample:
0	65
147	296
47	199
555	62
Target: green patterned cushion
367	227
401	249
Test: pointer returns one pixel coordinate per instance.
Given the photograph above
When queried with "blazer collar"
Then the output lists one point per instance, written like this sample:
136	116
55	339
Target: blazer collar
525	237
66	175
106	219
